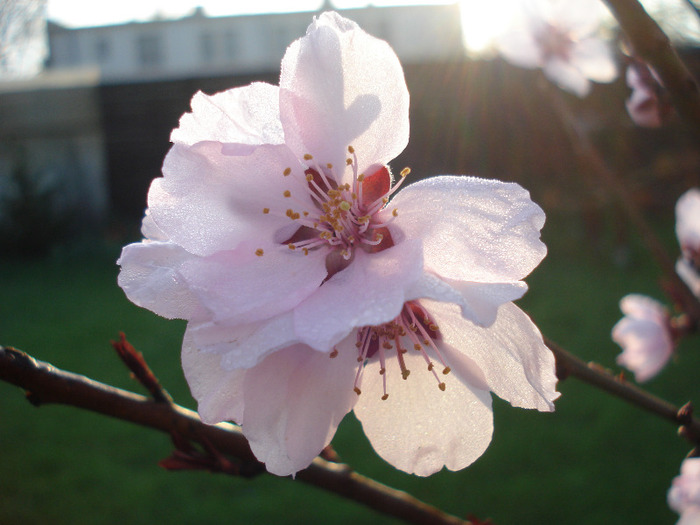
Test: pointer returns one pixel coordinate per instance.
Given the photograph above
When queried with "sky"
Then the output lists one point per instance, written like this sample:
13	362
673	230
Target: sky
78	13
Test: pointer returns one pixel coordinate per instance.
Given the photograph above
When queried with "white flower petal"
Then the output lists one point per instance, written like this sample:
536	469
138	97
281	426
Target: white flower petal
294	401
644	336
520	48
567	76
688	220
244	345
479	301
472	229
518	367
150	278
219	392
208	201
419	428
690	275
340	86
245	115
595	59
240	286
370	291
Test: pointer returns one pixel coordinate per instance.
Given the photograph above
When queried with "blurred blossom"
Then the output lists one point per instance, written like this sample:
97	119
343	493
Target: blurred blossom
684	494
688	233
560	37
312	288
648	105
644	335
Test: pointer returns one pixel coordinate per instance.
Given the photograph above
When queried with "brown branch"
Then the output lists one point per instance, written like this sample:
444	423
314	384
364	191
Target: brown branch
568	365
46	384
135	362
653	46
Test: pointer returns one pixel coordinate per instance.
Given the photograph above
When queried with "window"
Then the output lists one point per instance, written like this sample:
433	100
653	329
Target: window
102	49
206	46
150	52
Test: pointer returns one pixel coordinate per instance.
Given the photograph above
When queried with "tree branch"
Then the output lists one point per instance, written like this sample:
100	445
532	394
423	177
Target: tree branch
568	365
653	46
45	384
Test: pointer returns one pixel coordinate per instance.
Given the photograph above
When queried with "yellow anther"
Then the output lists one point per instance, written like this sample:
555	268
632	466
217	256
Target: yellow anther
309	177
382	371
387	345
348	161
308	156
385	200
395	212
345	206
433	327
287	193
329	166
417	347
287	171
405	171
306	251
360	177
266	210
334	353
405	373
441	386
357	391
292	246
385	397
259	252
306	214
430	367
447	370
351	149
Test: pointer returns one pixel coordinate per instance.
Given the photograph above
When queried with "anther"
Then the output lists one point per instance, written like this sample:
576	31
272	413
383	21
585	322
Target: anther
417	347
441	386
334	353
259	252
357	391
351	150
405	373
292	246
385	397
447	370
309	177
266	210
329	166
345	206
287	171
287	193
308	156
405	171
430	367
348	161
382	371
395	212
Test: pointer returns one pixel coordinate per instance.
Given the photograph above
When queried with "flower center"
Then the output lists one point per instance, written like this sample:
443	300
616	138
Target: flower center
343	217
554	43
413	329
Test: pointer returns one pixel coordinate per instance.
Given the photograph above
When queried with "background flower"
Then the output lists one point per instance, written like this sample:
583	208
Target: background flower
560	37
644	335
684	494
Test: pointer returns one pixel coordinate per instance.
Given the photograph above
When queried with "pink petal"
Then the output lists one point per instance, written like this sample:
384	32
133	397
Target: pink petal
208	201
472	229
419	428
150	278
479	301
688	219
370	291
245	115
690	275
241	287
594	58
567	76
243	345
340	86
294	401
518	367
218	392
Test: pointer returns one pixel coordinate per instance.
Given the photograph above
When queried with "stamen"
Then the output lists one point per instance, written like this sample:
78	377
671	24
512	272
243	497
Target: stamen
259	252
334	353
287	171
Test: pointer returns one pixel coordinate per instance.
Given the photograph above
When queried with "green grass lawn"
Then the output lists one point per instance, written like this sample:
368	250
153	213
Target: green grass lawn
595	460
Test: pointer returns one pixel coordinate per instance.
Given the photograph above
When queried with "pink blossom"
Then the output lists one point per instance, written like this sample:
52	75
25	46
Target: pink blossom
688	233
644	335
307	279
647	105
560	37
684	494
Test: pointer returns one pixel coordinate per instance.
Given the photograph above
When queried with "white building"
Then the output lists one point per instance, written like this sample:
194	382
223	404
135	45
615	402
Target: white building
197	45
